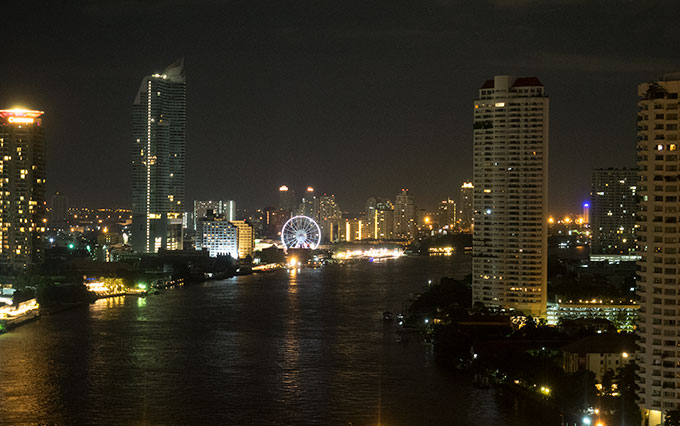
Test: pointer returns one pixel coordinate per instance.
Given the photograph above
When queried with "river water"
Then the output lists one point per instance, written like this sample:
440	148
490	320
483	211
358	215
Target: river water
282	348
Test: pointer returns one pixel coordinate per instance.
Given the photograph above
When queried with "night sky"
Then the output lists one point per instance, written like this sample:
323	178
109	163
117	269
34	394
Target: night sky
358	99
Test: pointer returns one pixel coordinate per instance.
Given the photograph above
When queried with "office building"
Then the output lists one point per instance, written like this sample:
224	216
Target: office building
509	262
613	203
404	215
658	356
465	214
158	161
22	189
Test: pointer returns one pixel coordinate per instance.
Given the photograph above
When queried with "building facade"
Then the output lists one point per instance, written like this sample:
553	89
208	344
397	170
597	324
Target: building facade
159	122
246	239
218	236
658	354
380	218
447	214
465	214
405	223
612	215
509	264
22	189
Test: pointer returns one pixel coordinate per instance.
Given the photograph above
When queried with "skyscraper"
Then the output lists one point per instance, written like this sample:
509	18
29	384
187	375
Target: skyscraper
658	355
22	184
447	214
158	161
613	202
404	215
309	206
509	268
287	199
466	211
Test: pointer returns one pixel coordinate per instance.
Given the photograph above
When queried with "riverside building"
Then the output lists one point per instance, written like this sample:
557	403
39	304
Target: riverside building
159	122
22	189
658	355
509	264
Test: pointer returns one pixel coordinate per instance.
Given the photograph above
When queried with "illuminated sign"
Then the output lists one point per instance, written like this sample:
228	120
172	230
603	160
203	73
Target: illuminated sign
20	120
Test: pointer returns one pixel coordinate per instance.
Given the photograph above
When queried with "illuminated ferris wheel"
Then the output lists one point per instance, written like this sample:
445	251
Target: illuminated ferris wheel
300	232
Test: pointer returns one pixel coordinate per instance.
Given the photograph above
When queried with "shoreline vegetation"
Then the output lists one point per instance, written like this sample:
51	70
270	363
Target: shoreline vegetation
520	355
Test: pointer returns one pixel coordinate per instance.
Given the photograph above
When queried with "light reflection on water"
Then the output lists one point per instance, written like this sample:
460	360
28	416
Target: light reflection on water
283	348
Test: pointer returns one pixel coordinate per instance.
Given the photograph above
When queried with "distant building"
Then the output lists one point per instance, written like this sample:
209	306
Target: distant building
287	200
218	236
224	208
309	206
405	221
58	212
380	218
447	214
22	200
613	206
509	260
273	220
246	239
159	133
465	212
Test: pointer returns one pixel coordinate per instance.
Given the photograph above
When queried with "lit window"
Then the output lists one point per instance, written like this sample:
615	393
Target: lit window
659	147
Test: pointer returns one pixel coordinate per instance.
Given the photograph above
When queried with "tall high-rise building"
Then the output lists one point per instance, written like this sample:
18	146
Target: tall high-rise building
309	206
159	133
658	355
405	223
447	214
465	214
613	202
509	263
287	200
22	189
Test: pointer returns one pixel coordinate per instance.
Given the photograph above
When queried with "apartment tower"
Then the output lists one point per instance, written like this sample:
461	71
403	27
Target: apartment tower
658	355
509	265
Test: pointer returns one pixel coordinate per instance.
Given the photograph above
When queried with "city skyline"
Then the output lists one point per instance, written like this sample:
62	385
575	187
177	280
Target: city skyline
289	86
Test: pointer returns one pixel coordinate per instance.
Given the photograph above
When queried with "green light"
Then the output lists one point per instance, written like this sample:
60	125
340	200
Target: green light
88	248
141	286
71	246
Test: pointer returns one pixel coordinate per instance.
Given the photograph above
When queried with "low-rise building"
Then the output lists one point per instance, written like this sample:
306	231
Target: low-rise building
598	353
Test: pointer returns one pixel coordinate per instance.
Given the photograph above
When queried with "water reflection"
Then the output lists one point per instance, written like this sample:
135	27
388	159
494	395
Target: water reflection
303	347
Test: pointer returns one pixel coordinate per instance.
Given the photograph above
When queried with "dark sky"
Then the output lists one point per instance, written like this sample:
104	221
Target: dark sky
355	98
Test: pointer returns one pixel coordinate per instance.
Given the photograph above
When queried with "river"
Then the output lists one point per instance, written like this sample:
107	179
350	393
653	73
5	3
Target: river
282	348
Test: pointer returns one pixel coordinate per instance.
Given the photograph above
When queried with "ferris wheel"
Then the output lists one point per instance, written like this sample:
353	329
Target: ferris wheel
300	232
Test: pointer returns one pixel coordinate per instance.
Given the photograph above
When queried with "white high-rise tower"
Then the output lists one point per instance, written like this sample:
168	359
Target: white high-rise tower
658	356
509	265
